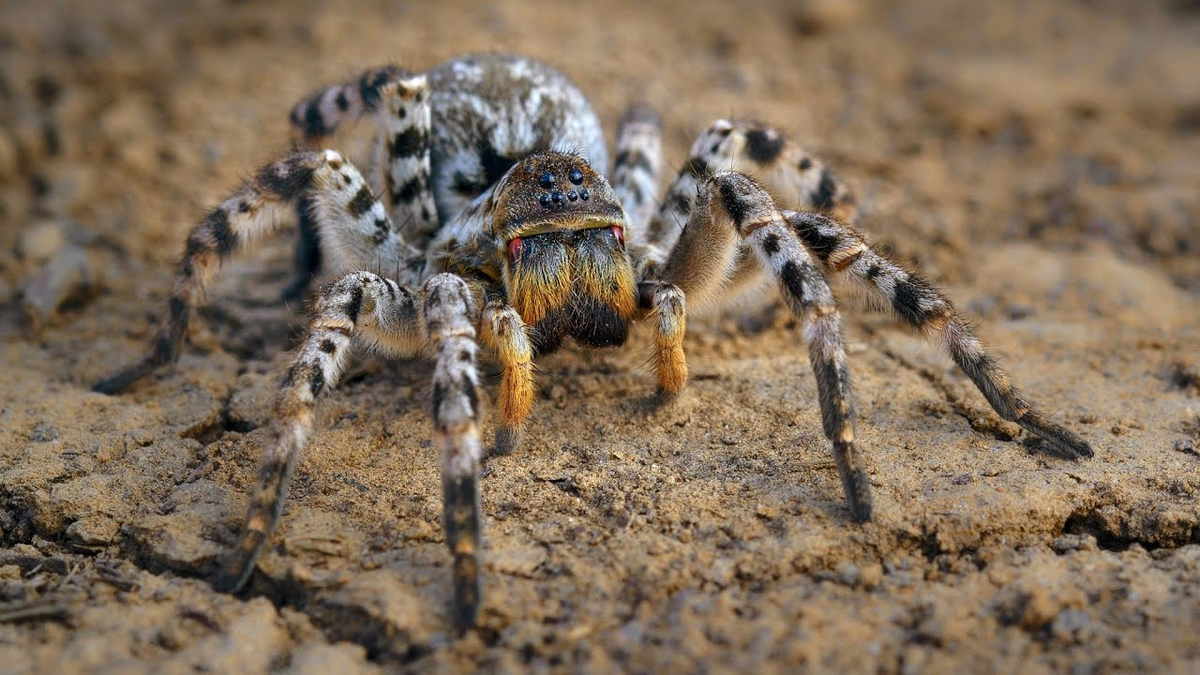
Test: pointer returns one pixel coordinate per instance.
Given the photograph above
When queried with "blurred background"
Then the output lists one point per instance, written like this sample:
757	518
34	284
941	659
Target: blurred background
957	122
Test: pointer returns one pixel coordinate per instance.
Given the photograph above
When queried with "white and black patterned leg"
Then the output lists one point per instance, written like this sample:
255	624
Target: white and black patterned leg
353	229
843	251
399	103
732	210
318	115
384	314
449	321
637	168
404	119
791	172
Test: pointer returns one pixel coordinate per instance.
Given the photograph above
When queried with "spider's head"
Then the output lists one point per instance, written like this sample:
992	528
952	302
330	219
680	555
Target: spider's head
560	229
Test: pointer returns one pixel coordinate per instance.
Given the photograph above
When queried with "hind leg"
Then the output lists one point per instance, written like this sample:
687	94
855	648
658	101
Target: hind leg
353	228
400	170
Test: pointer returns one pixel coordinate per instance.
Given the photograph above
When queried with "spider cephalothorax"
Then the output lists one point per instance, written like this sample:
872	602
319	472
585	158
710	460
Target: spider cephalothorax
500	242
561	229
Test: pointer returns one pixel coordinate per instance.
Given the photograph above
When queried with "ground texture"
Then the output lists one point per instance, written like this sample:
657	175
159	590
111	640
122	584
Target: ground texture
1039	159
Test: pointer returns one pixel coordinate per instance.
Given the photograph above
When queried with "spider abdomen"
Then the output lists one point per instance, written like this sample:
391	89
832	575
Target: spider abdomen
490	111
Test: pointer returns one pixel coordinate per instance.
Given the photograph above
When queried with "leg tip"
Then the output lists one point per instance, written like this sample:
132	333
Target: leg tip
663	397
467	592
508	439
1058	441
231	579
861	512
118	382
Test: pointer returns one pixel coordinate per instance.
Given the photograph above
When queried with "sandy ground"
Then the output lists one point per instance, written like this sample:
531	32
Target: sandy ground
1039	159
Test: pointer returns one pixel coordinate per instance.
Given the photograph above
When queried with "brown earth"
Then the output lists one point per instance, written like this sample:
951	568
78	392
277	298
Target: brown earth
1041	159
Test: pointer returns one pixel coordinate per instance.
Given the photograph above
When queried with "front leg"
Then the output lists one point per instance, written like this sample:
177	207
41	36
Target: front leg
843	252
503	331
360	303
731	209
450	317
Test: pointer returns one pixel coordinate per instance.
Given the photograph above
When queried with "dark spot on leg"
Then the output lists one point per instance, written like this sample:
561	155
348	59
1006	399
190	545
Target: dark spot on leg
316	382
907	302
681	203
634	159
314	124
826	191
763	145
805	164
771	244
793	281
409	191
342	102
822	245
465	186
439	395
697	167
361	203
295	177
222	234
327	346
354	305
735	204
410	142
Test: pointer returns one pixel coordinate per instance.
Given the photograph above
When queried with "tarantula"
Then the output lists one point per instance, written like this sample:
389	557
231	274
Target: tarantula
485	197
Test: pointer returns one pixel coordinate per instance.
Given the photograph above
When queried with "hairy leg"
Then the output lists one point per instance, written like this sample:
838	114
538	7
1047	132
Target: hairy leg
450	316
637	168
789	171
353	228
843	252
504	332
363	304
732	210
398	102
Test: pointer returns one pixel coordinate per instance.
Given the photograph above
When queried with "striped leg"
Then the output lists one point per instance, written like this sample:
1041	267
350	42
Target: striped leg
354	231
377	309
843	251
504	332
319	114
733	210
638	167
790	172
399	102
449	321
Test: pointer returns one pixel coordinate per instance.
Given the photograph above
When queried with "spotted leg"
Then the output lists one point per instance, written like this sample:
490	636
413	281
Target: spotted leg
450	317
843	252
732	210
378	311
504	332
353	228
790	172
400	170
637	168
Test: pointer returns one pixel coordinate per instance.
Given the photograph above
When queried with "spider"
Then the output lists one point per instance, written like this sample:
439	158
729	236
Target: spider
485	199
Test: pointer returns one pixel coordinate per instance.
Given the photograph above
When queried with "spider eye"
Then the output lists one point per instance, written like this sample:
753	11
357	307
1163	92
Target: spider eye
514	248
619	233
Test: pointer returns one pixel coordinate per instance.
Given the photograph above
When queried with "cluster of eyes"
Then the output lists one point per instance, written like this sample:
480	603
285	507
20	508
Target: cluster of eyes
557	198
